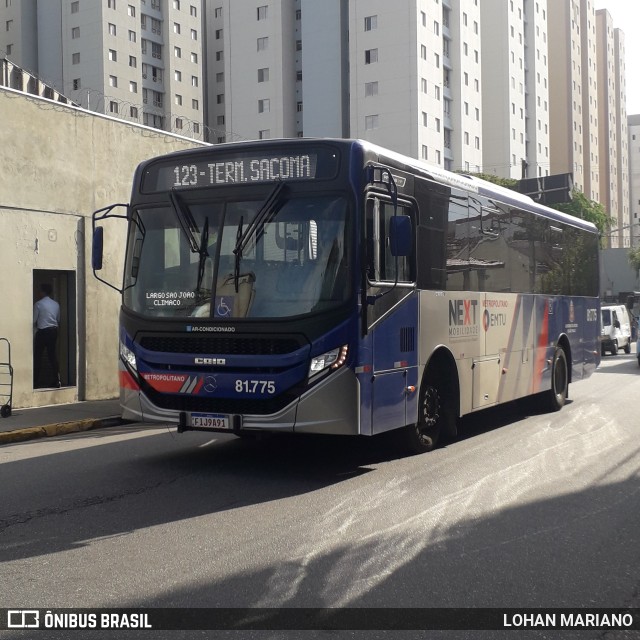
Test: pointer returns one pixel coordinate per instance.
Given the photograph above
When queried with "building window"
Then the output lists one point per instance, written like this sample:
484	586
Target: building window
177	75
178	123
133	86
76	84
75	58
263	75
131	10
370	23
112	29
178	100
75	32
425	152
176	27
423	52
113	81
298	45
370	56
193	11
424	119
264	133
75	6
218	12
299	75
220	120
194	81
176	5
194	58
156	50
195	105
299	106
196	127
113	106
113	55
111	4
133	112
423	85
219	56
132	36
370	89
220	76
371	122
262	13
264	106
177	52
220	98
194	34
218	34
9	49
263	43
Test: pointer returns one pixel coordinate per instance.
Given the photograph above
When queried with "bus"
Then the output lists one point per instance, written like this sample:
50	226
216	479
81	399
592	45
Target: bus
330	286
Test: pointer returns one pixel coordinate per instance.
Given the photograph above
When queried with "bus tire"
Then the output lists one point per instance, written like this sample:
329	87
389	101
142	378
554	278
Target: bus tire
557	395
435	415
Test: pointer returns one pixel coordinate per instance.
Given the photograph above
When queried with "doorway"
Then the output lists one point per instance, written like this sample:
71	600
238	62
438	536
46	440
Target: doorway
63	287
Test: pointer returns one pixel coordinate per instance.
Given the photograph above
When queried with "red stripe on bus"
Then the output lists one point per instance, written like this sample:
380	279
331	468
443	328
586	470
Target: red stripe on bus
127	381
541	351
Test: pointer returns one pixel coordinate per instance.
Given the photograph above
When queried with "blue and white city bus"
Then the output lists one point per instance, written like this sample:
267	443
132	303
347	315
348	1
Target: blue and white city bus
334	287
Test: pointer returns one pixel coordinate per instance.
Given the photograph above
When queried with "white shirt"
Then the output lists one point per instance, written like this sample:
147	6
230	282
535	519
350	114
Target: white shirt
46	313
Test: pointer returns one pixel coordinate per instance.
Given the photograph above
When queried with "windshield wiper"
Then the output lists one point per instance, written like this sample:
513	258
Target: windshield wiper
186	220
265	214
203	251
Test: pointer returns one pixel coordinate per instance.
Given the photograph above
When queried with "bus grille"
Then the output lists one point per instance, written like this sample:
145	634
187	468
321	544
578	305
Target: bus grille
229	345
220	405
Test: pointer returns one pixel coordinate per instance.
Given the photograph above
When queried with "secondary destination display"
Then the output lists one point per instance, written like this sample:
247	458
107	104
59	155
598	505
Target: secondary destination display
218	169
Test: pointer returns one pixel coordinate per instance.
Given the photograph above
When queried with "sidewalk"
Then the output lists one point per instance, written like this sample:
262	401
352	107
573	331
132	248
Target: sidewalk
54	420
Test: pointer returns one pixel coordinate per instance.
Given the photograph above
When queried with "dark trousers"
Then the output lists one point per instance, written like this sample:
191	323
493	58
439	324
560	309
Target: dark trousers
46	340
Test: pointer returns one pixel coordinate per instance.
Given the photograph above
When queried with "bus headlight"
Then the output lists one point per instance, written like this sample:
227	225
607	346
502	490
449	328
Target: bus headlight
333	359
128	357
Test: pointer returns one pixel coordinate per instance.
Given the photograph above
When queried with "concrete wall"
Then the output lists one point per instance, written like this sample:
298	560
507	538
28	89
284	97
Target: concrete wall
59	164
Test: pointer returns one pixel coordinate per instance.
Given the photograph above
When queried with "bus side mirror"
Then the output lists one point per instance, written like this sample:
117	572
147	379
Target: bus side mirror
400	235
97	248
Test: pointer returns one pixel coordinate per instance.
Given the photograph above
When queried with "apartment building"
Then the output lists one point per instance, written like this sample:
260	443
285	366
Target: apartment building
405	75
139	61
634	177
515	73
573	118
612	118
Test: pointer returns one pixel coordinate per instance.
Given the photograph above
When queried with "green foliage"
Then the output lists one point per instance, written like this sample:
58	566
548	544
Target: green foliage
634	258
581	207
509	183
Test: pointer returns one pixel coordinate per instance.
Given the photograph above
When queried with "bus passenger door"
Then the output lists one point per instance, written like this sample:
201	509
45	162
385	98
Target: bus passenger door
392	318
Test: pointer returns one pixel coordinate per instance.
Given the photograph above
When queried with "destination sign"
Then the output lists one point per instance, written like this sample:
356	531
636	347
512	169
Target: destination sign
217	169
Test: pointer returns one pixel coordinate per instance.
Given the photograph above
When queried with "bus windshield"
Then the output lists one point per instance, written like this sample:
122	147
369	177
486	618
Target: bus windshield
181	260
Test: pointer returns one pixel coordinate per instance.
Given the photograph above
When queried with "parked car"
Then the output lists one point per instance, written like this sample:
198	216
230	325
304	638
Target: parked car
616	329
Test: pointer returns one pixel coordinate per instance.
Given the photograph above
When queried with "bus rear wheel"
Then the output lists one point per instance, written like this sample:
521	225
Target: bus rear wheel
557	395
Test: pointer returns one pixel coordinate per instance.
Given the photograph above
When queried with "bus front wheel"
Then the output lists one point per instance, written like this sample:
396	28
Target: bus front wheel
559	391
434	414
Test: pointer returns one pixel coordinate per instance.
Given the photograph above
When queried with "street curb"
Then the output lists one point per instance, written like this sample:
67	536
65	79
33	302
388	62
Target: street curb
58	429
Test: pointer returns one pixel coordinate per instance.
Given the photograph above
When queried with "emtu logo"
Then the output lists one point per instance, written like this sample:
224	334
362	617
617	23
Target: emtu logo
463	318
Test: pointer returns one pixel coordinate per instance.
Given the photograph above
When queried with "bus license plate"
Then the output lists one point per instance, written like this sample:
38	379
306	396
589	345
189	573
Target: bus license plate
211	420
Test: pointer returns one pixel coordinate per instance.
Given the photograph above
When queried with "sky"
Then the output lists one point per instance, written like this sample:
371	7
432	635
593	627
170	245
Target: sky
626	16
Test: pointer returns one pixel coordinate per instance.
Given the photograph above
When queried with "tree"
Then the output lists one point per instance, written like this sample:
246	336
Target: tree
590	210
634	258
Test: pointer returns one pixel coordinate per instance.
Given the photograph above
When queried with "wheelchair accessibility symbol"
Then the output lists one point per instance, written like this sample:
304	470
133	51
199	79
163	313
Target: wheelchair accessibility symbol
224	306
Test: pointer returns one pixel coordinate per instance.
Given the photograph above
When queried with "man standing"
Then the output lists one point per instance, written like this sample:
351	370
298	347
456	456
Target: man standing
46	319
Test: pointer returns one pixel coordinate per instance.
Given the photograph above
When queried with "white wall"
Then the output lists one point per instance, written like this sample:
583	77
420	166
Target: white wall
59	165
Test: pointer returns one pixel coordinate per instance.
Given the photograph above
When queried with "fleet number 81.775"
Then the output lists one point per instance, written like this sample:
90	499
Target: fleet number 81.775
255	386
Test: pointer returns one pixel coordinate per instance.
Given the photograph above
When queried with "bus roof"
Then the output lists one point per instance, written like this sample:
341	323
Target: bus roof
461	181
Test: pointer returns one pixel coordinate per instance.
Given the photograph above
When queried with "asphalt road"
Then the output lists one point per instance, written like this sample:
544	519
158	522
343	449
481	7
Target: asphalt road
526	509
